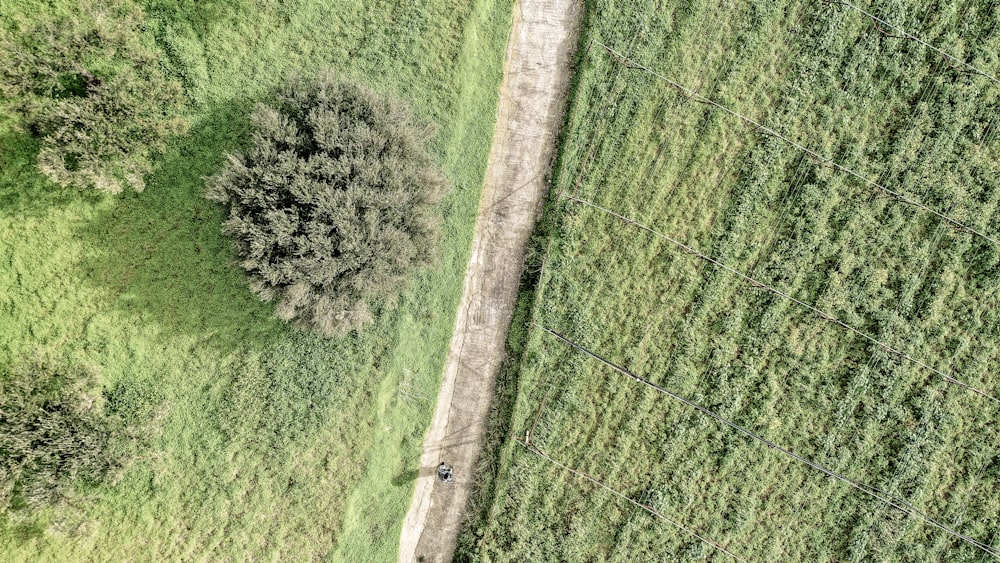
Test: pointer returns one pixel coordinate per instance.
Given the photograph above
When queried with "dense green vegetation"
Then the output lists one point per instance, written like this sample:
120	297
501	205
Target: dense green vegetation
332	208
265	435
90	89
54	435
889	109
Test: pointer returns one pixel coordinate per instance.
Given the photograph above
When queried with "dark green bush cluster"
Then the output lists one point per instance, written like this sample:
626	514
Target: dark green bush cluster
332	205
54	435
92	92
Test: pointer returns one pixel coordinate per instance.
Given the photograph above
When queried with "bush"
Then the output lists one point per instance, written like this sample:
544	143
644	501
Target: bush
332	205
92	92
53	435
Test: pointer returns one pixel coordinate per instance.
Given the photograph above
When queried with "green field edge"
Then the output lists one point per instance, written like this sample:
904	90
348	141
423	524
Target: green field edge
383	429
498	445
356	537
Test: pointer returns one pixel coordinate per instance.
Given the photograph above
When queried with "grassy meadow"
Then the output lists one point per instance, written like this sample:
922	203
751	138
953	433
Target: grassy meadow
265	442
885	107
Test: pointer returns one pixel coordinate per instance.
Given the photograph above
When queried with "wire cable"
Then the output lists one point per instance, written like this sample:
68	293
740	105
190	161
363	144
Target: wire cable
817	311
895	502
534	449
687	92
907	35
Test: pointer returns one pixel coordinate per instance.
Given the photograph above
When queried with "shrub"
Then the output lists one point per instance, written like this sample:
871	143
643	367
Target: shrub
332	205
53	435
92	92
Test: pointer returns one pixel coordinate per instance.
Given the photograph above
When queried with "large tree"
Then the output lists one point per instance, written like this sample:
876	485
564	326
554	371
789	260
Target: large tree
332	205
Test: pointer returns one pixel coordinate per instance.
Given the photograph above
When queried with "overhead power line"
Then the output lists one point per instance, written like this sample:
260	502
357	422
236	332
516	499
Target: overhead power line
822	314
891	500
907	35
691	94
534	449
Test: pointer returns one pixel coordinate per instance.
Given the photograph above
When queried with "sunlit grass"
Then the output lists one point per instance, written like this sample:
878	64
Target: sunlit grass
270	442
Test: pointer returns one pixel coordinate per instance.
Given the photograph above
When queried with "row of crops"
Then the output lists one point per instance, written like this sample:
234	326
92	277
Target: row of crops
866	340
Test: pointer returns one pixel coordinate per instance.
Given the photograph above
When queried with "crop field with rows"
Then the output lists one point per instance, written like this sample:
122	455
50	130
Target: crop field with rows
786	214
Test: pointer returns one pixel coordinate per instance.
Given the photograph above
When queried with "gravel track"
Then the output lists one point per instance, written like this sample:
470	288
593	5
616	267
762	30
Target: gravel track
532	98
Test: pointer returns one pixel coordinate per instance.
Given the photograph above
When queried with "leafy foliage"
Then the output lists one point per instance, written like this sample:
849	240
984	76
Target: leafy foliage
332	206
145	289
92	92
53	435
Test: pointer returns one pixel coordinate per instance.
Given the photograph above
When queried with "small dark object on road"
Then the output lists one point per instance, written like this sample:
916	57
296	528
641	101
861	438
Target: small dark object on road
444	473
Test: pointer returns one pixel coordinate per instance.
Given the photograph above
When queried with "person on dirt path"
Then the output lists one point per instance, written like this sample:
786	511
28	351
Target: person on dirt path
445	473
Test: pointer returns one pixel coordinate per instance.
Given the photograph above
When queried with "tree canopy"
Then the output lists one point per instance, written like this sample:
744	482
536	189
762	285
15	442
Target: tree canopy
54	434
332	205
92	91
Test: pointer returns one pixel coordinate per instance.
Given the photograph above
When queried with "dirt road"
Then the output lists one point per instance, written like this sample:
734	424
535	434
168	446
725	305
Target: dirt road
532	98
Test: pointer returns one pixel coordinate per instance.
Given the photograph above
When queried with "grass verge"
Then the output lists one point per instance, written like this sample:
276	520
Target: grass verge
273	443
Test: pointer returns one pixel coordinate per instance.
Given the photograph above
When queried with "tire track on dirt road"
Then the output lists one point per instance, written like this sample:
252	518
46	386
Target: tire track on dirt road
542	41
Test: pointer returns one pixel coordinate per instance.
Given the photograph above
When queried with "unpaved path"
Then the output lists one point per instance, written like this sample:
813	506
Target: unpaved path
532	97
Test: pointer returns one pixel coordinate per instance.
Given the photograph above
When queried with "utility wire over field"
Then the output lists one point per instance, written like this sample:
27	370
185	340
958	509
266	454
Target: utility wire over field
693	95
907	35
632	137
534	449
822	314
878	494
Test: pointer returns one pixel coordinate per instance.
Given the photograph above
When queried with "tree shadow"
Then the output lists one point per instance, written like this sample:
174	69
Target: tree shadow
161	253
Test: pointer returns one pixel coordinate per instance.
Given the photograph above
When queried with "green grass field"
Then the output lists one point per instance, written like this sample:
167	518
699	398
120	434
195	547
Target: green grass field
268	443
885	107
